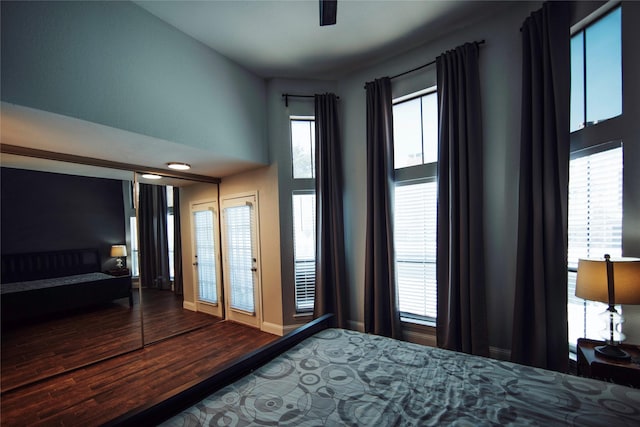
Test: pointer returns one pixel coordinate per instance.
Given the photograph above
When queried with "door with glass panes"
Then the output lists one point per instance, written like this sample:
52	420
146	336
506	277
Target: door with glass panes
241	259
206	258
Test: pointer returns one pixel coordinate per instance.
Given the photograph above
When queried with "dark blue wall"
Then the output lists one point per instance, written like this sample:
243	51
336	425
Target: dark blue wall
47	211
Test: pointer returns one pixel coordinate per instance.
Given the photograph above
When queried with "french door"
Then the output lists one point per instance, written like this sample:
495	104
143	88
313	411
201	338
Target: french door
206	258
241	259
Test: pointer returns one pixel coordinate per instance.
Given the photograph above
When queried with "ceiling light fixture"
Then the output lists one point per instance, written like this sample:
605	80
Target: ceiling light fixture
151	176
179	166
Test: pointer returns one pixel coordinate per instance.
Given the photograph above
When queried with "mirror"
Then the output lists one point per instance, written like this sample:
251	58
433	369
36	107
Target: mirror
164	225
34	349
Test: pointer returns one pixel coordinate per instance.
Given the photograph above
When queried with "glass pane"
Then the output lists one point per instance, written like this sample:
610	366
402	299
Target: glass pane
595	228
134	247
170	242
430	127
205	250
603	42
415	248
240	256
304	241
407	134
303	148
577	82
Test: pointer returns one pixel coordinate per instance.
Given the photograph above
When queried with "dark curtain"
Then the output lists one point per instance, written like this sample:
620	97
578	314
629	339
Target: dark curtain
154	248
540	309
330	292
381	314
177	244
462	313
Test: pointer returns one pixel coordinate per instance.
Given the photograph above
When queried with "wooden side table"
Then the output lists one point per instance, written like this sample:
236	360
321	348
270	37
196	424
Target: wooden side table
592	365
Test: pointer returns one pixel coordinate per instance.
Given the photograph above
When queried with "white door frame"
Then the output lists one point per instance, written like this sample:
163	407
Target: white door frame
256	319
215	309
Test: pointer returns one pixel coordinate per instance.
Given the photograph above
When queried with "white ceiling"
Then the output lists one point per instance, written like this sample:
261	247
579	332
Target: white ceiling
283	38
271	38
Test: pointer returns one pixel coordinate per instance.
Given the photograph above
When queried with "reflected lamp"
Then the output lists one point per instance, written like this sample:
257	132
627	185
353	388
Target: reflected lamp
611	281
119	252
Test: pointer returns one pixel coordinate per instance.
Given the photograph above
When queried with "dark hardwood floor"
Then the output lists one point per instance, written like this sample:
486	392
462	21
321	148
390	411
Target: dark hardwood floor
70	340
97	393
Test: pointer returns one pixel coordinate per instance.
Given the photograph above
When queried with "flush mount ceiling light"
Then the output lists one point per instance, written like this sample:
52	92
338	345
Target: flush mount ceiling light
151	176
179	166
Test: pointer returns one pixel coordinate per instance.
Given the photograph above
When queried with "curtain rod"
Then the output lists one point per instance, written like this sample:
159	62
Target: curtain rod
424	65
286	97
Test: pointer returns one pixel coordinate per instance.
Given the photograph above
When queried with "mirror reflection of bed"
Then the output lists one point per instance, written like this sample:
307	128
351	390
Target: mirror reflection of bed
72	207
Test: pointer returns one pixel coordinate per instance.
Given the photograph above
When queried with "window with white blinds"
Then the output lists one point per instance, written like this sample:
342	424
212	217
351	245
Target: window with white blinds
595	228
204	235
415	248
304	248
415	139
239	227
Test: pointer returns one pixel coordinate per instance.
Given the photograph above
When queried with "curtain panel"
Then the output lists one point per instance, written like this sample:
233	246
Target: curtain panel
462	312
331	286
178	285
540	308
154	248
381	315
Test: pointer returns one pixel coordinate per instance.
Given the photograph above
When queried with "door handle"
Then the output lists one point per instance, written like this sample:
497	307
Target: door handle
254	269
195	263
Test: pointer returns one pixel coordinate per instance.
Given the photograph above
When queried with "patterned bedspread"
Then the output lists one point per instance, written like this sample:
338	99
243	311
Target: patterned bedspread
340	377
8	288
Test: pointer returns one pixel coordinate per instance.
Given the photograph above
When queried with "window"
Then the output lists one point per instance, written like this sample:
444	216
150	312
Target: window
135	272
596	71
304	248
303	143
170	233
595	228
595	171
303	201
415	133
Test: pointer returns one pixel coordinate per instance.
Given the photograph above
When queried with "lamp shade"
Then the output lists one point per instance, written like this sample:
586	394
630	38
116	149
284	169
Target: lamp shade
591	283
118	250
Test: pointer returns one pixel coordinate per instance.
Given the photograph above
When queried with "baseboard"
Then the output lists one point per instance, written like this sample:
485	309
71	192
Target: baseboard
272	328
500	353
354	325
187	305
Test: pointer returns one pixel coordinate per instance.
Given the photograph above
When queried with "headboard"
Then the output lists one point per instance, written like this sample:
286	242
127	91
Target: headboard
44	265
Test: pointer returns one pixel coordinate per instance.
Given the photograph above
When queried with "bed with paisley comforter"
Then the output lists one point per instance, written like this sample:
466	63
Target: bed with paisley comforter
338	377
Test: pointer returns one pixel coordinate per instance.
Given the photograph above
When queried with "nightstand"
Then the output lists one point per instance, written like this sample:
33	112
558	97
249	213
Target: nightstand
592	365
118	272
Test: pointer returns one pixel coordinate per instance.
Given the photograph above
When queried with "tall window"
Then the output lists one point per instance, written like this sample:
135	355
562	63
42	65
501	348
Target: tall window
596	71
415	135
303	201
170	233
595	172
595	229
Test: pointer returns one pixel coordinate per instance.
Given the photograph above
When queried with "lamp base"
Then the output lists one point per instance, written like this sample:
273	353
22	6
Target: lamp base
612	352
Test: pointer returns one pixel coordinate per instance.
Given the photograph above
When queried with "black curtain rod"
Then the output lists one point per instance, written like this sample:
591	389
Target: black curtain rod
425	65
286	97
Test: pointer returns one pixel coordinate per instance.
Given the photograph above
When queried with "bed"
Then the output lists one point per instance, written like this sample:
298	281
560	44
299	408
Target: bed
325	376
37	285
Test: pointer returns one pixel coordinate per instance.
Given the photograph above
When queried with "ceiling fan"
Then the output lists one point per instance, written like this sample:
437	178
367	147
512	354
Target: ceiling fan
328	9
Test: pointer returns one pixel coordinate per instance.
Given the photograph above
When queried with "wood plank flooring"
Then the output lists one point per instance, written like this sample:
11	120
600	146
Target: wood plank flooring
38	350
101	392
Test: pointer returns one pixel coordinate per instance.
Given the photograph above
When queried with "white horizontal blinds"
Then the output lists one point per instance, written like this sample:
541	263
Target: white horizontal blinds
133	223
204	232
595	228
304	246
415	248
239	226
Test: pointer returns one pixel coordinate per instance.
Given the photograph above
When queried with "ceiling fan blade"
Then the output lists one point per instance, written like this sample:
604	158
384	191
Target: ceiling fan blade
328	10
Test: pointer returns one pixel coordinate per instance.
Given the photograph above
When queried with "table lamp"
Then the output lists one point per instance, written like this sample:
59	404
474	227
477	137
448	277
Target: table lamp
612	281
119	251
